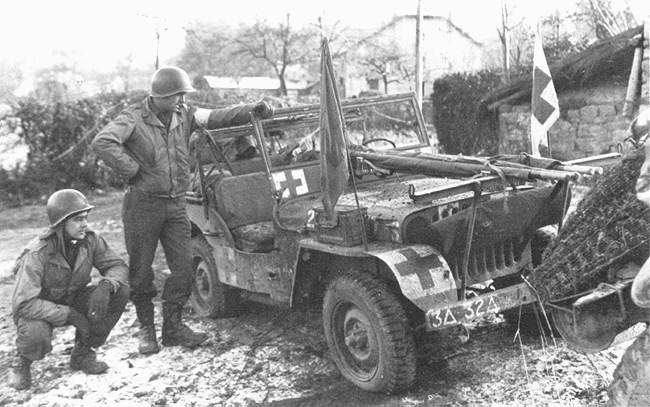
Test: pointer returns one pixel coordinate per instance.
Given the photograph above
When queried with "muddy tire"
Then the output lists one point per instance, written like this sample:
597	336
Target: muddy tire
210	297
630	385
368	334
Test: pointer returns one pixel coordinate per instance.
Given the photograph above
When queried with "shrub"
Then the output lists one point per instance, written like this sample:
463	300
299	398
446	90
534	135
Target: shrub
460	123
57	135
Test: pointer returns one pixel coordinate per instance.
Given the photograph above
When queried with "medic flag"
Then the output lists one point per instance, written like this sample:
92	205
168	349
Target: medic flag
333	157
545	109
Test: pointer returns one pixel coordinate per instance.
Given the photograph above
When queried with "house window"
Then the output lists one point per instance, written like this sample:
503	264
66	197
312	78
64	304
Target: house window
373	84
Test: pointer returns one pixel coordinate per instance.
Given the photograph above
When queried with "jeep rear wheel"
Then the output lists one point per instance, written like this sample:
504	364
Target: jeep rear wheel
368	334
210	297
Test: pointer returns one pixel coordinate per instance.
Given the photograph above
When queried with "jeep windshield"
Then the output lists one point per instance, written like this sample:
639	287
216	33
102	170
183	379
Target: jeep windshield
292	136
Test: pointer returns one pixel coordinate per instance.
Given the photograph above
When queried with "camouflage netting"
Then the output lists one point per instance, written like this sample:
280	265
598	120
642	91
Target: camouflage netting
609	229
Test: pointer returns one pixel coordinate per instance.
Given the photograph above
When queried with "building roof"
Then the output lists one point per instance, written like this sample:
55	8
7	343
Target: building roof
411	17
248	82
603	59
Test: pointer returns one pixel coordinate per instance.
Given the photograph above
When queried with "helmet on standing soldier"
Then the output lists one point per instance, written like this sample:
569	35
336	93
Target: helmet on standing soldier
169	81
65	203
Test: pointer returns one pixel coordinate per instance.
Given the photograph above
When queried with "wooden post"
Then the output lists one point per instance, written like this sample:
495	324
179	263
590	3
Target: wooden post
505	43
631	96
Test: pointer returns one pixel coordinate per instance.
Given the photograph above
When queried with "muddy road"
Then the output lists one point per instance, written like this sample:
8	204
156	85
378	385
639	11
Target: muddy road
270	355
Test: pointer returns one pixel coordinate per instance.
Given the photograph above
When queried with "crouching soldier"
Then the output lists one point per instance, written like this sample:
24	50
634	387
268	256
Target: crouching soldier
52	290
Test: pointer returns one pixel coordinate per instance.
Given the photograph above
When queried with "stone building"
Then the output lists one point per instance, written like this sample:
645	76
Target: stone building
599	89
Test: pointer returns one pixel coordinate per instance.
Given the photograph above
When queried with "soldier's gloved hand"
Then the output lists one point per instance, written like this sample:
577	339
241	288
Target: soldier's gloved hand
263	109
79	321
98	301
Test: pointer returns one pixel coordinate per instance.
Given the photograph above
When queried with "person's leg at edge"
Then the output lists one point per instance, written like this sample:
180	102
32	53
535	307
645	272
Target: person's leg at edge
143	219
33	342
175	239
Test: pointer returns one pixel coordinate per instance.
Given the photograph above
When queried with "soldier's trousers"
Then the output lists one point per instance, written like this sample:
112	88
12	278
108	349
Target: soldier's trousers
147	220
34	337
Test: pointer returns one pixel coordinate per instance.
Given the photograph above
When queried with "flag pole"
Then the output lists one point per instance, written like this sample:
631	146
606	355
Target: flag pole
364	232
327	76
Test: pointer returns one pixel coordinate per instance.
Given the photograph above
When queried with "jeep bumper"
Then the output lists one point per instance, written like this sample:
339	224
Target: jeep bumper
463	312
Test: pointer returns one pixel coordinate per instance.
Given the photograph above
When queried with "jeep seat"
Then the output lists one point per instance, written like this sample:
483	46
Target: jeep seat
244	199
255	238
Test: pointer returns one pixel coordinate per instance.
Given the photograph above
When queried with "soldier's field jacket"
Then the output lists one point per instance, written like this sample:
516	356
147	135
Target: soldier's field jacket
153	158
46	284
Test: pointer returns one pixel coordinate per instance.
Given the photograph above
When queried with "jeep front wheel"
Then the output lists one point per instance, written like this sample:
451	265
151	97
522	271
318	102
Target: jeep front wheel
368	334
210	297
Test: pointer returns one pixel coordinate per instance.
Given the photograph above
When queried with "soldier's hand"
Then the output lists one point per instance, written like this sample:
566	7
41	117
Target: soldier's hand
263	109
98	301
79	321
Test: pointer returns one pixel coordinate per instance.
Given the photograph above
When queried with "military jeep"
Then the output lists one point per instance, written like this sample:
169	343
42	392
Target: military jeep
422	241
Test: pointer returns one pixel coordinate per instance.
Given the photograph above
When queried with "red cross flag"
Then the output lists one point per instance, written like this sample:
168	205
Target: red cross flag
545	109
333	157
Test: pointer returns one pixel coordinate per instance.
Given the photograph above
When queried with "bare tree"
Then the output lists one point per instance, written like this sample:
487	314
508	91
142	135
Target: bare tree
278	47
124	70
606	18
504	37
209	51
388	60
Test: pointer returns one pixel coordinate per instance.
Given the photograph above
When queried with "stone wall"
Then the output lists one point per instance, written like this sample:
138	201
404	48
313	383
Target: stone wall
591	120
590	123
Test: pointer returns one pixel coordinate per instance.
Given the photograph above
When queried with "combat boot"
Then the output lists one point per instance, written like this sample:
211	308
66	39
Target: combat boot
147	341
21	376
85	359
175	332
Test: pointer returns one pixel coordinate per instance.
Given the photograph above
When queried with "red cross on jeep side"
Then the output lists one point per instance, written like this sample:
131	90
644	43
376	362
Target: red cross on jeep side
286	180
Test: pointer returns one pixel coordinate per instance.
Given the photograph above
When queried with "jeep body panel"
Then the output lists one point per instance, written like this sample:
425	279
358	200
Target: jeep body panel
281	199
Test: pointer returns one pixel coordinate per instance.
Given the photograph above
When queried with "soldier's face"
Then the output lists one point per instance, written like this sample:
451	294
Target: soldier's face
76	226
170	103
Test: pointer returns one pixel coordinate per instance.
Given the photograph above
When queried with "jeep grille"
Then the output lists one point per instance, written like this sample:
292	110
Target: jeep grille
489	262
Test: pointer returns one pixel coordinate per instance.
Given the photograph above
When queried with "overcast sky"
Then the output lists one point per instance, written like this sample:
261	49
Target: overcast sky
97	34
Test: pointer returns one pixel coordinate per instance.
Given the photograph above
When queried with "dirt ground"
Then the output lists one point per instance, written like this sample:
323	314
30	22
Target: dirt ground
275	356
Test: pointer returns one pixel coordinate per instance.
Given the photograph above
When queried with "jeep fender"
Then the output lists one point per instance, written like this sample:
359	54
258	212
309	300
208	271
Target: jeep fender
423	275
209	222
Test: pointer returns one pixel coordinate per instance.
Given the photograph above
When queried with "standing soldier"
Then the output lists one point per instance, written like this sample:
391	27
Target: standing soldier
52	289
148	146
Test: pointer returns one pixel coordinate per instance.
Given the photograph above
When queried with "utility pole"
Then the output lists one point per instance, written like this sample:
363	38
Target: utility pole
157	46
418	55
156	20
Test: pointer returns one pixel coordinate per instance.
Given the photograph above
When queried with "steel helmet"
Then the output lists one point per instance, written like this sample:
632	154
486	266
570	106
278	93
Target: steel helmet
639	126
169	81
65	203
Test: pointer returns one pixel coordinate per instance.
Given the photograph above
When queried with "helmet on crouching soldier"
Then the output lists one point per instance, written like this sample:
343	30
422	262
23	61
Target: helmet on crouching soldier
169	81
64	204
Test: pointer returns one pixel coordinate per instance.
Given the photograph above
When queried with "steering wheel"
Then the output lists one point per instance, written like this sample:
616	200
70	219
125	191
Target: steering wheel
379	139
385	140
